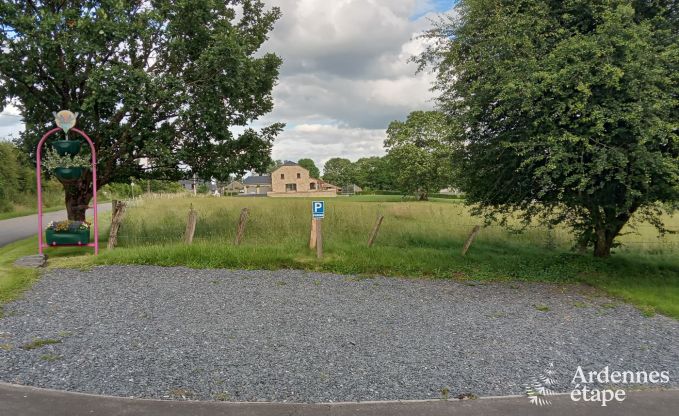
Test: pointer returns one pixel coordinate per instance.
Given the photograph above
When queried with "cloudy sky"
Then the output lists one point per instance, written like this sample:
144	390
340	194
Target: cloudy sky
345	74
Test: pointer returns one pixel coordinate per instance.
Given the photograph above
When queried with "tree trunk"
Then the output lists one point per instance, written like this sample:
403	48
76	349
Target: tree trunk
78	197
422	195
604	243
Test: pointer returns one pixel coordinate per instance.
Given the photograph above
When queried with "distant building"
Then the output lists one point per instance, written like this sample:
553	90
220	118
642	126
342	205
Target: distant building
257	185
289	180
233	186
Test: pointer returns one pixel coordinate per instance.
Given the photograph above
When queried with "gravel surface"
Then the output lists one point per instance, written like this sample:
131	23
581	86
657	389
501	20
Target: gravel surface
311	337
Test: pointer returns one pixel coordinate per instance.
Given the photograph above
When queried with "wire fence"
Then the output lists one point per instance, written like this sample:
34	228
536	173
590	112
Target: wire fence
148	224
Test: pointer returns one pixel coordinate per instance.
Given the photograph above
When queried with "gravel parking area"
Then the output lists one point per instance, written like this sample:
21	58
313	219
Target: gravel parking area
299	336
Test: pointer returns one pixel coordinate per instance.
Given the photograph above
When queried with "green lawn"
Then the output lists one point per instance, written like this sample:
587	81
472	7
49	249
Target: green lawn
14	280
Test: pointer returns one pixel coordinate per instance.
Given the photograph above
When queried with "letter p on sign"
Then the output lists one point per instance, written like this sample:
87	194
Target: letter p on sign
318	209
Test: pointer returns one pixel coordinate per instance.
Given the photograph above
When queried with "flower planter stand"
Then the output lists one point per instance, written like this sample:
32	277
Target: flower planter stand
67	238
66	147
53	238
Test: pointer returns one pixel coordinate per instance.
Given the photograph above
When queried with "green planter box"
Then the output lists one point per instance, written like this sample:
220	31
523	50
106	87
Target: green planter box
67	237
67	147
68	174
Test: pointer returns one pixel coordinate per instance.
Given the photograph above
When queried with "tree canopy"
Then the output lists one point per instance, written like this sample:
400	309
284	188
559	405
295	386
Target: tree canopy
420	153
338	171
569	109
163	80
309	165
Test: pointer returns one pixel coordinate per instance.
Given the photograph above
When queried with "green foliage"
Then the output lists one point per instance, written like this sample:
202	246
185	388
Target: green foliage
338	171
273	165
54	160
309	165
573	105
163	80
420	153
18	185
9	175
371	173
124	190
203	189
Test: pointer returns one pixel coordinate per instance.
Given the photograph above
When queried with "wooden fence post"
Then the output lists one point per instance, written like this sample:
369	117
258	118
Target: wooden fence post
114	205
319	238
470	239
241	225
116	220
190	226
376	228
312	236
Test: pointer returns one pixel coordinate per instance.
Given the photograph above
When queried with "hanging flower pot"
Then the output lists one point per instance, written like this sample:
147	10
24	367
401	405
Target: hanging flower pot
67	147
68	174
68	233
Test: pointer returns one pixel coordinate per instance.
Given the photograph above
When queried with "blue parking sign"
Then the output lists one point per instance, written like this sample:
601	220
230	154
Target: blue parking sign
318	209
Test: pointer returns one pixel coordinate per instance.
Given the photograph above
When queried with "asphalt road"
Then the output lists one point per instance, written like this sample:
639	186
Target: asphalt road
19	228
28	401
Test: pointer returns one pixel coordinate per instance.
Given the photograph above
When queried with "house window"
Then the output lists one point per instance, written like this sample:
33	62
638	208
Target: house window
312	186
299	175
282	176
290	187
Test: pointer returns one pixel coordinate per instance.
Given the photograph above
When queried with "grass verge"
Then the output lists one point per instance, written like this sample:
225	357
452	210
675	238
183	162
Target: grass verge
14	280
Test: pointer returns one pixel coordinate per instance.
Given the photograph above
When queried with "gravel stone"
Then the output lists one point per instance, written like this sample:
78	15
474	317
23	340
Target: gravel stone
297	336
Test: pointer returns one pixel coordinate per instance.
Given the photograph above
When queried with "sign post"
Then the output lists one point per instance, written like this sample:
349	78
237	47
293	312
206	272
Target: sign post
317	215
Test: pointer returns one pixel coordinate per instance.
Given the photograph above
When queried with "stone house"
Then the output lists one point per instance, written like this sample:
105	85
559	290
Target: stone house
289	180
292	180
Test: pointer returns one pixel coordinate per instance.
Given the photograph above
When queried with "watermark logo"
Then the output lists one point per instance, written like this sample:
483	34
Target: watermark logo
541	387
584	383
587	385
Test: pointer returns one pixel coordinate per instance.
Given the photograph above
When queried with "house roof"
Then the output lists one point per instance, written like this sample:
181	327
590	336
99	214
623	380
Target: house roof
257	180
289	163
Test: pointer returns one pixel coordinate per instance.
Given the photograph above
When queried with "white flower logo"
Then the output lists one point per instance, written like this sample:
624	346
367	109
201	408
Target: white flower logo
540	387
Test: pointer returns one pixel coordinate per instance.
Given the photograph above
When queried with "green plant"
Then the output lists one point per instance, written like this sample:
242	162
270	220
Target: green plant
68	226
445	392
53	161
40	342
541	307
223	396
50	357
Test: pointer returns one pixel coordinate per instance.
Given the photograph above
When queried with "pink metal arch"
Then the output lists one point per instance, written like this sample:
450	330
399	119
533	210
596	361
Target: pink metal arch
41	242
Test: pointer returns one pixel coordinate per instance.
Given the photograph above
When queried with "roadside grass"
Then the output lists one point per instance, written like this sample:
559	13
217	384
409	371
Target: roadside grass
416	240
14	280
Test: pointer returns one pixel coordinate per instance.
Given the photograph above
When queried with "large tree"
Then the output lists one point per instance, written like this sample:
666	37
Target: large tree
375	173
420	151
163	80
309	165
569	109
338	171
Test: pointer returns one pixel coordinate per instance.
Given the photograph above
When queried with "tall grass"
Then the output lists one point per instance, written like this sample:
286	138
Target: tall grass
409	224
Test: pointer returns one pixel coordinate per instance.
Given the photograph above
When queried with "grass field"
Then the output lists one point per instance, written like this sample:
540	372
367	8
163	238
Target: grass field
420	239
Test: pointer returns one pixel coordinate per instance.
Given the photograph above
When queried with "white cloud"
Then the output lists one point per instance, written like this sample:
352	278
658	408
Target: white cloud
346	66
321	142
10	122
